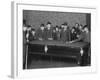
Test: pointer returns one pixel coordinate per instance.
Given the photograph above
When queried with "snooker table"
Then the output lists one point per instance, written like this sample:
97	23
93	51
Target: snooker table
58	48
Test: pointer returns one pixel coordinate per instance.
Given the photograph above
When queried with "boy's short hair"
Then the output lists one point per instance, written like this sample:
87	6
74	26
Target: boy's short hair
60	27
77	23
85	26
73	28
48	22
81	25
57	26
33	29
42	25
65	23
29	26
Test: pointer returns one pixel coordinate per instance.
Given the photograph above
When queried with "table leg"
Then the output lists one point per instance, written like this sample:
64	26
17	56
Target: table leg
26	56
79	60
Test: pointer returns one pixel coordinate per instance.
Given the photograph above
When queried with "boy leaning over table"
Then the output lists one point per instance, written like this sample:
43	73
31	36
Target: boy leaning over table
85	37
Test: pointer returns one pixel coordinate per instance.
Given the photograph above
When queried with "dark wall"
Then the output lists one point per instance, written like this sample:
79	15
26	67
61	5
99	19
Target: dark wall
88	21
35	18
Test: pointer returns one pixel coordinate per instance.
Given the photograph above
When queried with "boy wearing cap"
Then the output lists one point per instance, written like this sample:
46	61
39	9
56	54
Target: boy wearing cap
32	35
40	33
77	28
49	31
65	33
84	36
58	33
73	34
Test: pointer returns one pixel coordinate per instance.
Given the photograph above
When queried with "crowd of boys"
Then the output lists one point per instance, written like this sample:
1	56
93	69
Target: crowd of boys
61	33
